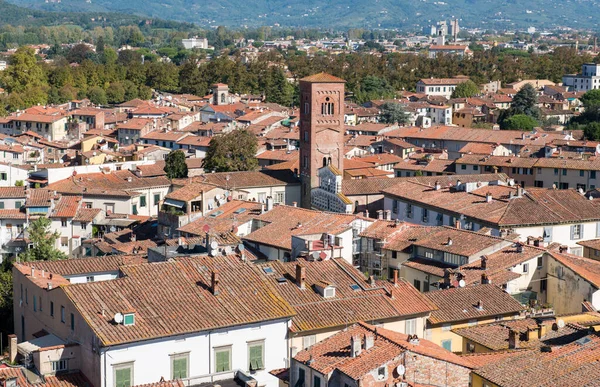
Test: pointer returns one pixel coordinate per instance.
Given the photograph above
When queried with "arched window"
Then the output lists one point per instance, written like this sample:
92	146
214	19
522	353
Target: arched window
329	161
327	108
222	97
324	161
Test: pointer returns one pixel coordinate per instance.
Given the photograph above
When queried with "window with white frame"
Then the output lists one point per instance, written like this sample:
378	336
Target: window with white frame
123	375
308	341
411	326
60	365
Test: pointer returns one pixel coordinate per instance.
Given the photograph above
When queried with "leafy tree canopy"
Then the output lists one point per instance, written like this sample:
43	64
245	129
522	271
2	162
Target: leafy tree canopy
234	151
392	113
520	122
175	165
466	89
44	242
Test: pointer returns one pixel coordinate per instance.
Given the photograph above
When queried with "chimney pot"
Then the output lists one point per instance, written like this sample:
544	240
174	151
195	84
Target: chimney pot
395	277
438	186
457	224
355	346
372	280
484	279
484	259
369	341
380	214
32	271
513	339
388	215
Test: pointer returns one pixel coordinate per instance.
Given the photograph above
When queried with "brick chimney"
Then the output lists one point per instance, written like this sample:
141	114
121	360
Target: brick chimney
300	276
484	260
380	214
513	339
214	283
457	224
438	186
388	215
395	277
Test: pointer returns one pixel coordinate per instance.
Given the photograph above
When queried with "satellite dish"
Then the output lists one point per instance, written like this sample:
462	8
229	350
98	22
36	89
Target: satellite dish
560	323
241	247
315	255
118	318
214	252
113	229
214	245
206	228
461	283
401	370
228	250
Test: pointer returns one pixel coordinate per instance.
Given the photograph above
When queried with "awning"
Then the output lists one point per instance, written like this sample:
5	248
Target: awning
174	203
27	347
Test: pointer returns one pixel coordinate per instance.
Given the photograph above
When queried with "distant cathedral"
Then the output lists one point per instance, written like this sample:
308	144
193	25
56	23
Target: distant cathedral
322	143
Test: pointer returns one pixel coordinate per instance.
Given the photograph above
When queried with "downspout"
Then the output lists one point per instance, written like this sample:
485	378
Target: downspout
209	358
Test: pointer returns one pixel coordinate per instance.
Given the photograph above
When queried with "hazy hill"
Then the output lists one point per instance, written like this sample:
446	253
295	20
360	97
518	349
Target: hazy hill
347	13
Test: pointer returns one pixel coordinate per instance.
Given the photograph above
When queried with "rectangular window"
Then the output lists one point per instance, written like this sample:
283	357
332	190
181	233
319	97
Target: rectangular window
18	205
129	319
316	381
256	355
540	261
409	210
59	365
581	173
143	201
309	340
64	241
179	366
51	309
63	222
476	167
301	377
134	210
395	206
447	345
223	359
525	268
576	231
72	322
555	171
279	197
425	215
156	199
564	172
592	174
463	166
62	314
446	327
410	326
1	205
40	302
123	375
34	304
417	284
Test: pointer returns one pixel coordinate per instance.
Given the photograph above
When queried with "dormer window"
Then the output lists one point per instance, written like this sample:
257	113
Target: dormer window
326	289
329	292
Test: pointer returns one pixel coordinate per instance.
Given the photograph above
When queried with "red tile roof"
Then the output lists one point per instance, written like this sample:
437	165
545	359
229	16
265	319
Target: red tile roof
244	298
460	304
322	78
334	352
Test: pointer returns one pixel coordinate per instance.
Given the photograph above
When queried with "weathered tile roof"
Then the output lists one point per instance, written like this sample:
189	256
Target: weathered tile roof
460	304
322	78
86	215
248	179
190	191
334	352
588	269
70	267
12	192
575	364
367	303
284	221
66	207
536	206
182	302
73	379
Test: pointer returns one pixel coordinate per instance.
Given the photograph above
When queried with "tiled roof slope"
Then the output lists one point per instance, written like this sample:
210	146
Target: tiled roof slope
69	267
375	186
575	364
322	78
460	304
73	379
588	269
282	222
119	183
348	306
181	302
536	206
247	179
335	353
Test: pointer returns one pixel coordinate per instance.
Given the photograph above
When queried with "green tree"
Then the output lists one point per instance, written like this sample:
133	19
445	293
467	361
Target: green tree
175	165
525	101
145	92
373	87
23	73
466	89
391	113
97	96
592	131
43	242
115	93
234	151
520	122
19	183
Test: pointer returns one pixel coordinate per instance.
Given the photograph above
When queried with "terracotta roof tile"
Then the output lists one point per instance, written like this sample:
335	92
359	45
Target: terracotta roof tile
460	304
322	78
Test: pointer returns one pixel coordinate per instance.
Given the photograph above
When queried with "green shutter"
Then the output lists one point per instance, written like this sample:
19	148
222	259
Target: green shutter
447	345
222	361
143	201
123	377
256	357
180	368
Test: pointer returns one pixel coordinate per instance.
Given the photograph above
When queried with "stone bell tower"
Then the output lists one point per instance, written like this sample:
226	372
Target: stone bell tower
321	129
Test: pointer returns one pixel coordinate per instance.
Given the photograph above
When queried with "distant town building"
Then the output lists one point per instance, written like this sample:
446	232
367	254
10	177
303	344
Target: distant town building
195	42
588	79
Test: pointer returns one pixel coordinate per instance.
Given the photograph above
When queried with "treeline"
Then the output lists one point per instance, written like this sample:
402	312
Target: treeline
108	77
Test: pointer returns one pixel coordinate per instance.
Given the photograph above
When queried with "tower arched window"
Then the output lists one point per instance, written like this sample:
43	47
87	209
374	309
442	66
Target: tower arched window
324	161
223	98
327	107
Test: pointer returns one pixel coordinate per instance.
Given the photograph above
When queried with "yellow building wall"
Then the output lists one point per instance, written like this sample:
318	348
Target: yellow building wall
478	381
437	334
